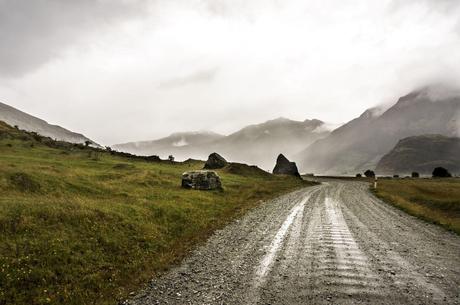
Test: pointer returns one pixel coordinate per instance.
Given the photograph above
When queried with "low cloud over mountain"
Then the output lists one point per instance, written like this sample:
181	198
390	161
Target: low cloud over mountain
362	142
258	144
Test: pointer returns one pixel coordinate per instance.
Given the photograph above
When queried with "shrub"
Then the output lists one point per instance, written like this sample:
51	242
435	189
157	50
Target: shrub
395	176
441	172
24	182
94	155
358	175
415	175
36	136
369	173
123	166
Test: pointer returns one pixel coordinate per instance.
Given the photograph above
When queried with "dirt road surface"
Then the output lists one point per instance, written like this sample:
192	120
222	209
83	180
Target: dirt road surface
334	243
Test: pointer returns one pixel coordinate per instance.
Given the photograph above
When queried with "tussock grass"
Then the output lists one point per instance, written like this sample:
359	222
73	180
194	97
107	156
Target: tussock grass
24	182
434	200
79	227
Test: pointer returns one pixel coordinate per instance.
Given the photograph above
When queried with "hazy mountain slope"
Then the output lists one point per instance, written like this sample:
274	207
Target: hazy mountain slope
422	154
257	144
182	145
362	142
15	117
261	144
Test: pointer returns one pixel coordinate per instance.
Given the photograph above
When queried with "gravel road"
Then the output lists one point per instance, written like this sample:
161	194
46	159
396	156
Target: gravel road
334	243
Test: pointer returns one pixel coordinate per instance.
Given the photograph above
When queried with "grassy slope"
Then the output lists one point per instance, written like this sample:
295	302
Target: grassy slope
435	200
81	227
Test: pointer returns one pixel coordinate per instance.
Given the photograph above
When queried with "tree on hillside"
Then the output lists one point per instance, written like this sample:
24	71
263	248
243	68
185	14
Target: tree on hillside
87	143
369	173
415	175
358	175
171	158
441	172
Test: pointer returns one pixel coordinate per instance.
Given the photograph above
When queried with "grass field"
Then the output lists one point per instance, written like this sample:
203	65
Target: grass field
81	226
434	200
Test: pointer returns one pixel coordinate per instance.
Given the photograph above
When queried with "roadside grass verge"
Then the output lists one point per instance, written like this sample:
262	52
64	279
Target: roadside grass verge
434	200
80	226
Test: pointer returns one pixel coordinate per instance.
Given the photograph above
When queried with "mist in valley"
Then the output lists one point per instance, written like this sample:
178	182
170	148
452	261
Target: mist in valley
249	80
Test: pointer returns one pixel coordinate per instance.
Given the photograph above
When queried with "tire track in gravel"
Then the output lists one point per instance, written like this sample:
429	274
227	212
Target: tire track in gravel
329	265
329	244
286	237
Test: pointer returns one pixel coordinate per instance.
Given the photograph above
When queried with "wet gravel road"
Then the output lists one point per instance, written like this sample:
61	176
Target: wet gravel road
334	243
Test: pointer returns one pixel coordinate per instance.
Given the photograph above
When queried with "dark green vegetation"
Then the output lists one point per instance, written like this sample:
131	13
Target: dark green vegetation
85	226
441	172
435	200
369	173
422	154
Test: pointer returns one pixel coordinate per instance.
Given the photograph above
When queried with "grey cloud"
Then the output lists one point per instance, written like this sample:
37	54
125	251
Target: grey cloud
34	32
457	28
291	62
247	10
447	7
217	7
202	76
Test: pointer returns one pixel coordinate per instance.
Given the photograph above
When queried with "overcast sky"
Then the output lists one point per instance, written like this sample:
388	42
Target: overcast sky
120	70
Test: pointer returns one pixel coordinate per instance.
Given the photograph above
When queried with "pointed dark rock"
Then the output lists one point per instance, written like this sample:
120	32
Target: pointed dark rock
215	161
285	167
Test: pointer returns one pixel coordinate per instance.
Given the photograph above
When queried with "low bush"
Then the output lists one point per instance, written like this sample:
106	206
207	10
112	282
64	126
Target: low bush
24	183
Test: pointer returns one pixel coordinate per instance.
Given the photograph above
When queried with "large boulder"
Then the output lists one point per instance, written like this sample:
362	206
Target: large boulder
215	161
285	167
201	180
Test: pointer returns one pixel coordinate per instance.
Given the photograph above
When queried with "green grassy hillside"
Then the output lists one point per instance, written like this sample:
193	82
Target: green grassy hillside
435	200
84	226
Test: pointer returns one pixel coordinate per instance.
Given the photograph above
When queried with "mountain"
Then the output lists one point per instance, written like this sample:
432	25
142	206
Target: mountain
362	142
182	145
258	144
15	117
422	154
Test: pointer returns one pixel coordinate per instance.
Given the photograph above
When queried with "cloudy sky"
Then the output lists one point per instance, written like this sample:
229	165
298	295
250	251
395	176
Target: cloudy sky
120	70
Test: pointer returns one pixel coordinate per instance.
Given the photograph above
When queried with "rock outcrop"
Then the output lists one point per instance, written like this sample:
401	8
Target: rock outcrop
285	167
201	180
422	154
215	161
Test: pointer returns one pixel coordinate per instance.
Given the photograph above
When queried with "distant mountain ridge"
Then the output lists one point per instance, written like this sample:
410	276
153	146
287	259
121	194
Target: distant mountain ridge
358	145
362	142
258	144
422	154
15	117
178	143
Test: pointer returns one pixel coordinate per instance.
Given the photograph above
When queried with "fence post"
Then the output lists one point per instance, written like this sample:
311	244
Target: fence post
375	182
